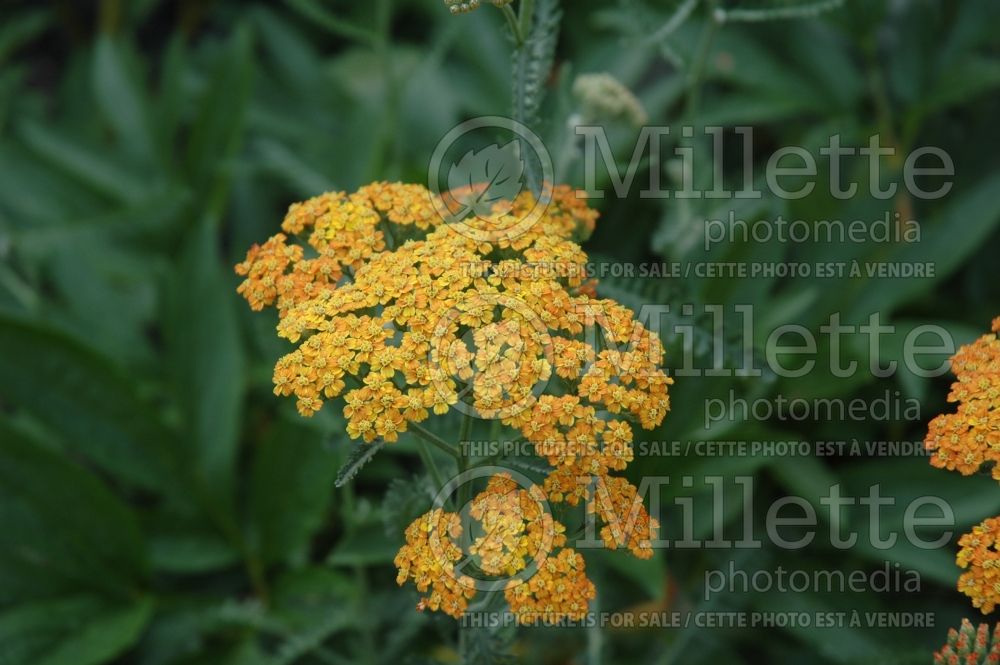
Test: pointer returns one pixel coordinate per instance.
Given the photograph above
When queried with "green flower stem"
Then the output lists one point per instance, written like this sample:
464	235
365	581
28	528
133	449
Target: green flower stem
433	439
512	23
432	467
463	459
527	12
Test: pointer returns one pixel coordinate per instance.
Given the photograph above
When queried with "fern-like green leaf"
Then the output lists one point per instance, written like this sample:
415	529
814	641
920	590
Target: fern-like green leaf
360	456
486	646
405	500
531	67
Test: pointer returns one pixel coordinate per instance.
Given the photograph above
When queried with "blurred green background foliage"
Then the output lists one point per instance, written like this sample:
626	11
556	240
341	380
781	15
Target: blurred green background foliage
159	506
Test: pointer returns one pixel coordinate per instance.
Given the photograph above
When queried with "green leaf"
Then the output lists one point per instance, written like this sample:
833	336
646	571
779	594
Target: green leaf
976	211
531	70
187	549
81	396
119	97
405	500
218	128
207	363
976	76
97	171
80	630
804	476
906	481
360	455
21	29
288	165
291	485
650	575
366	547
167	109
323	18
61	523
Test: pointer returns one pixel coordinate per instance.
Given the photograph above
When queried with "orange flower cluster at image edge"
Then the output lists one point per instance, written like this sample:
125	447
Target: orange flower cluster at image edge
966	440
403	315
970	646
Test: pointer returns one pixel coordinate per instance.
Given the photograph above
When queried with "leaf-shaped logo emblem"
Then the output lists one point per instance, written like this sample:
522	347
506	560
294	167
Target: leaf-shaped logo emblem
490	175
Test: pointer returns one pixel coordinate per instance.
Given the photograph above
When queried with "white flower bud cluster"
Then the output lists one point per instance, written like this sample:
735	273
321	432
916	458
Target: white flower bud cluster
465	6
603	97
461	6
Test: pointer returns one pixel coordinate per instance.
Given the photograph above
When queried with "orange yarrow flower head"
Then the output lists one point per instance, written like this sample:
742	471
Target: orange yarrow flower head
516	528
404	312
429	558
969	438
513	541
980	556
401	316
966	440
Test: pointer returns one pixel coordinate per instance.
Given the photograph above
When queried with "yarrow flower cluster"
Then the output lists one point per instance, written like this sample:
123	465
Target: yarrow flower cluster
966	440
970	646
515	535
429	558
404	315
980	555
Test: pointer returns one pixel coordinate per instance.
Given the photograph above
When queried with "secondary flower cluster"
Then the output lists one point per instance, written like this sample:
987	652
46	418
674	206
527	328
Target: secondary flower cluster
966	440
403	315
963	441
980	556
516	540
970	646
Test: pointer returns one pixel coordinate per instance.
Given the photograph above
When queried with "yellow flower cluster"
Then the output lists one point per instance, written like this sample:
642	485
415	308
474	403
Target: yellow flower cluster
403	311
516	527
560	589
515	535
980	556
429	557
963	441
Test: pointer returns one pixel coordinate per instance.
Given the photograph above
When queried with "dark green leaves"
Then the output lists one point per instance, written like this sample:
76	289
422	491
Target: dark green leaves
218	127
86	400
62	525
206	363
976	211
291	485
76	630
120	97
